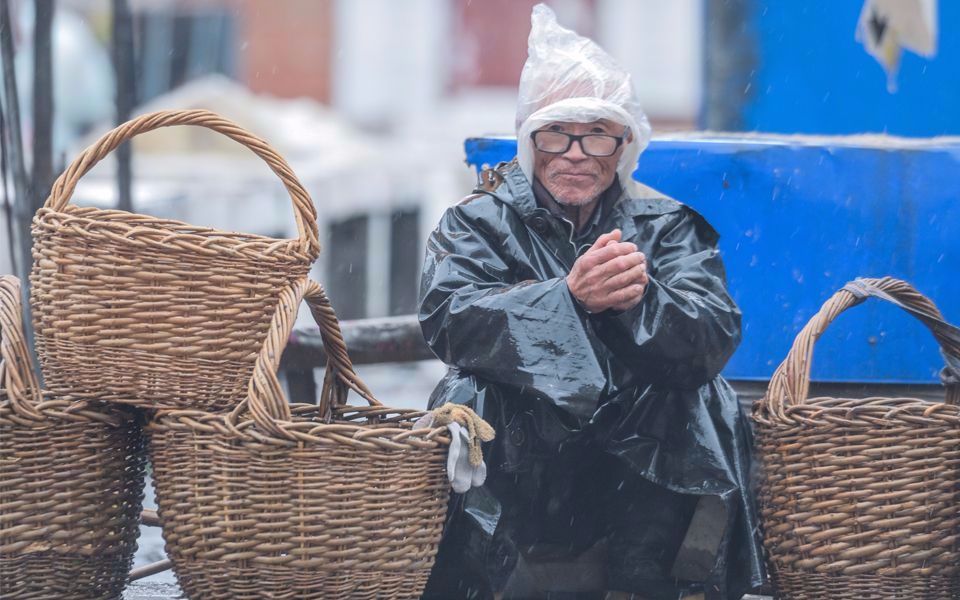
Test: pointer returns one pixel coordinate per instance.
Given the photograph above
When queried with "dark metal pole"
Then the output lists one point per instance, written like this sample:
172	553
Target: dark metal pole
43	107
42	165
123	52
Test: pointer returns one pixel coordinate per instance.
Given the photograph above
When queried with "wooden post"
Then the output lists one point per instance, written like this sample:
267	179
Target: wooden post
370	341
151	569
149	517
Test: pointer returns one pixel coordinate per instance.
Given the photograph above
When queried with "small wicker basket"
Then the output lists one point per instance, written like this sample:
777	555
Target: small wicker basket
71	482
300	501
156	312
859	497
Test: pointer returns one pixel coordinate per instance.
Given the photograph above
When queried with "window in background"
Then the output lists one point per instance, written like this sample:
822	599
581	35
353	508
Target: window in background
404	260
177	47
347	252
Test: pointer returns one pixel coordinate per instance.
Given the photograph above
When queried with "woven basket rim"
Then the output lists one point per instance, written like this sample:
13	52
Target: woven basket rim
119	226
866	412
304	210
395	432
900	402
786	396
57	409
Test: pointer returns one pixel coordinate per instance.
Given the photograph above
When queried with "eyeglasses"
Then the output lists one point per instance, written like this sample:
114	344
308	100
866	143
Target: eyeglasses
592	144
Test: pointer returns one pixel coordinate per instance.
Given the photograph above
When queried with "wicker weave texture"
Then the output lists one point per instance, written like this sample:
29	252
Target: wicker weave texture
241	517
859	497
806	586
861	505
156	312
71	483
256	582
70	500
307	501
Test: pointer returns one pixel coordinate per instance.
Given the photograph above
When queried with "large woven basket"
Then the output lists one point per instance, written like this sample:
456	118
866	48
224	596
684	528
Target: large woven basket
300	501
154	311
860	498
71	482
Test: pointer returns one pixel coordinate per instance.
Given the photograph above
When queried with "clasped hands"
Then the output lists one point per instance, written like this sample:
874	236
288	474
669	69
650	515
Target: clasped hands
612	274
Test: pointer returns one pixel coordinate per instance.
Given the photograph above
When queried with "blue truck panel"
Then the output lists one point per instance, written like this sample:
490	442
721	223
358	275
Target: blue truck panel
812	75
800	217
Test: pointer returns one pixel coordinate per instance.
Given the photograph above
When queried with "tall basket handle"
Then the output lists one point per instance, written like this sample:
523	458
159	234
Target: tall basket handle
303	209
18	376
340	376
790	383
265	398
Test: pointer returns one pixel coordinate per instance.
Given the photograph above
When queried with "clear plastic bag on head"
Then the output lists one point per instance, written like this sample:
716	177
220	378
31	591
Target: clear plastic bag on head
570	78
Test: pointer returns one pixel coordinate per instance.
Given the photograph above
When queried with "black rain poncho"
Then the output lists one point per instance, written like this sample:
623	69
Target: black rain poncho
610	427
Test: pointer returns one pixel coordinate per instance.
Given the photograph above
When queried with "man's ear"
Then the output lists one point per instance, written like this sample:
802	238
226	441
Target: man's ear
628	135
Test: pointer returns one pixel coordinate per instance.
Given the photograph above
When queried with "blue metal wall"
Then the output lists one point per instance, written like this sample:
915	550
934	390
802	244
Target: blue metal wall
798	220
812	76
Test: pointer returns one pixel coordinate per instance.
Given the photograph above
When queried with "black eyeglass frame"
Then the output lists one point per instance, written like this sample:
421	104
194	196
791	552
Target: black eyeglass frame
571	138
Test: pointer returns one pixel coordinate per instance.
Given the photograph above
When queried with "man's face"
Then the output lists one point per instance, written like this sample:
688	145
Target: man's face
574	178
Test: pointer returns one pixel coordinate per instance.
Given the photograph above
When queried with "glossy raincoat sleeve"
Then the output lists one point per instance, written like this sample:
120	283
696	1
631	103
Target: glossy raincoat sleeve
476	315
686	326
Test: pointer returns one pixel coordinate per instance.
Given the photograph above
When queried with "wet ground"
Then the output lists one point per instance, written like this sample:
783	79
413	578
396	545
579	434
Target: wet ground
152	591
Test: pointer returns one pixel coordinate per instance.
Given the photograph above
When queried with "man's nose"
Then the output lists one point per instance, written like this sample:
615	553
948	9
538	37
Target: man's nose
575	151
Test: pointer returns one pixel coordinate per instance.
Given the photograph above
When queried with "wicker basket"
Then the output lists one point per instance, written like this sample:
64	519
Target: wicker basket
158	312
301	501
859	497
71	482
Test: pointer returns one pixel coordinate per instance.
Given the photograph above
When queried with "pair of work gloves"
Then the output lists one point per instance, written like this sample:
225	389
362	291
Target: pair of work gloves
465	466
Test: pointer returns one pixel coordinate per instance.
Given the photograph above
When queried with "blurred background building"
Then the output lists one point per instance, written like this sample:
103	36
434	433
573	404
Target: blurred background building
369	100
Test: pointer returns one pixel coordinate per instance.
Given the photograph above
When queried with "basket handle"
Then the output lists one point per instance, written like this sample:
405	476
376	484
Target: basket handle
304	211
16	374
790	383
265	398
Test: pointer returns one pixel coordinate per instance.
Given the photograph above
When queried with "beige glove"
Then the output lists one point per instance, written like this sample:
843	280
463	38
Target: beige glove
465	466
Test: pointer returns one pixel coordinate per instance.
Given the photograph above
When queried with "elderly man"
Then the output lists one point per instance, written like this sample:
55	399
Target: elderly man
586	317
